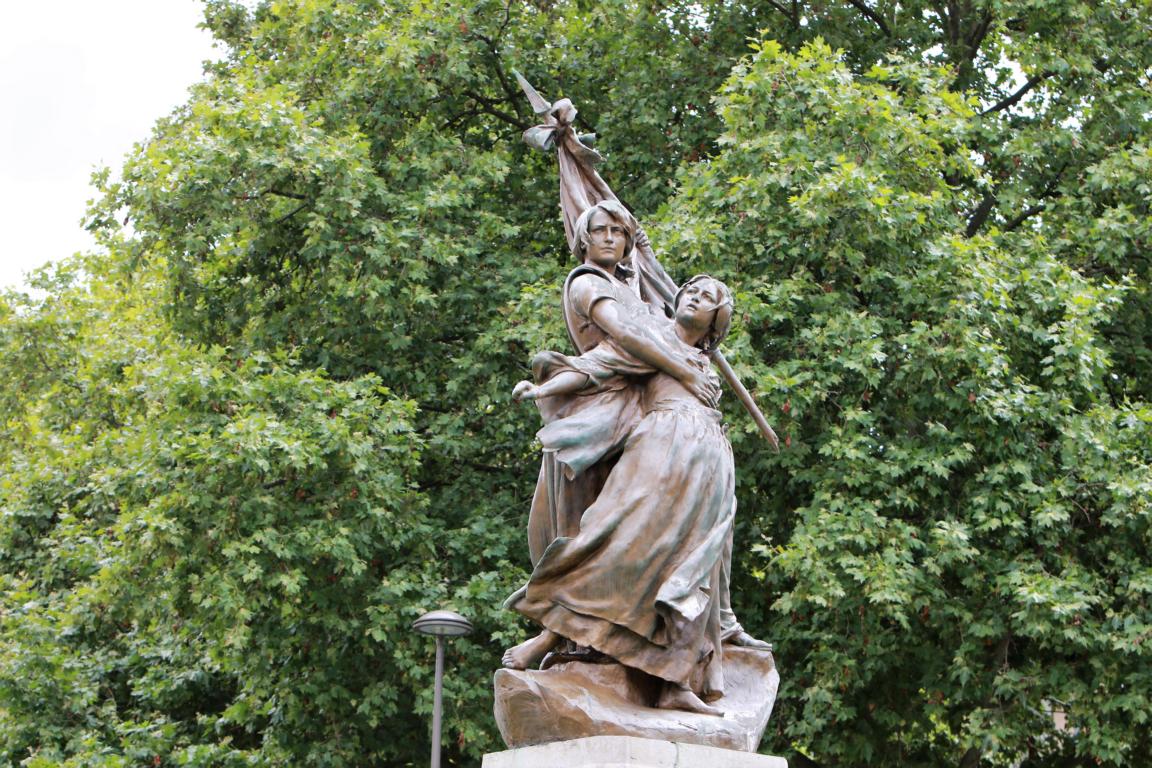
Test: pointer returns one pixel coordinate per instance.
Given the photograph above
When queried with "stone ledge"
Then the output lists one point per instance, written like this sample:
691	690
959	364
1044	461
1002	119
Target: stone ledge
627	752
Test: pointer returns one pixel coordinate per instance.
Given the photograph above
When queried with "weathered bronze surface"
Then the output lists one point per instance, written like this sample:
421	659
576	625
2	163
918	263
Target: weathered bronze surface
630	530
573	700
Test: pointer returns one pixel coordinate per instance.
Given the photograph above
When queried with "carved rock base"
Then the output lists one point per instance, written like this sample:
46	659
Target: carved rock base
577	700
627	752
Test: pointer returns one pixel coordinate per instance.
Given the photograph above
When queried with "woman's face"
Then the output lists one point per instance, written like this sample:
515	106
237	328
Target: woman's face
606	241
698	304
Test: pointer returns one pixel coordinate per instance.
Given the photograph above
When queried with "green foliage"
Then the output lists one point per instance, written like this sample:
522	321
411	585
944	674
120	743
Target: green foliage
268	426
196	572
948	532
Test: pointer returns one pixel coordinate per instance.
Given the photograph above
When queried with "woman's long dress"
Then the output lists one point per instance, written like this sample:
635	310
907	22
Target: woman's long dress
639	581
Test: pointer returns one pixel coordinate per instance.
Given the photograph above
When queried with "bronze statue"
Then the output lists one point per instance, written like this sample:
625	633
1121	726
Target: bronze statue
630	531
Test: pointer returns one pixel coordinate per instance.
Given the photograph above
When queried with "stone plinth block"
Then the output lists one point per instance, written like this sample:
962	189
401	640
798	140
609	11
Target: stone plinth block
575	700
627	752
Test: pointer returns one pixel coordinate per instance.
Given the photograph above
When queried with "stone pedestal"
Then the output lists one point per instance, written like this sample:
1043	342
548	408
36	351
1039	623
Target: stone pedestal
627	752
576	700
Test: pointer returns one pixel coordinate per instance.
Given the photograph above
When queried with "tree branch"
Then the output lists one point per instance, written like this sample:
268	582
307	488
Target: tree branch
459	118
282	193
1012	100
980	215
507	18
782	10
979	32
779	8
292	213
1026	214
951	18
490	106
1048	192
964	37
971	758
511	93
873	15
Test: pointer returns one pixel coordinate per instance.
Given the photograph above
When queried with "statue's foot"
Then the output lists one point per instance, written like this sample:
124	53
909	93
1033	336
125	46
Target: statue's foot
745	640
531	651
675	697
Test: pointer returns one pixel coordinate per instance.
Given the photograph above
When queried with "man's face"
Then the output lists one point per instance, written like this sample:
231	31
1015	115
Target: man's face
606	241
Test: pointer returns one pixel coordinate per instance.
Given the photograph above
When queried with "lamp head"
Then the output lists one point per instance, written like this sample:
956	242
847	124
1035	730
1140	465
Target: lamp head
442	624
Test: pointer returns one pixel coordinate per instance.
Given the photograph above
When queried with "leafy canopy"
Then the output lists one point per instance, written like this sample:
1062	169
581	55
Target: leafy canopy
267	425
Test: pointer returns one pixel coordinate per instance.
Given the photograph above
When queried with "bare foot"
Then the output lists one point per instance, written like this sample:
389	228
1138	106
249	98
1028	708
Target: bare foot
745	640
531	651
675	697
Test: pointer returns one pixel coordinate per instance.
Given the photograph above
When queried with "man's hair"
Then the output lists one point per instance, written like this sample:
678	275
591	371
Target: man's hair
722	322
618	213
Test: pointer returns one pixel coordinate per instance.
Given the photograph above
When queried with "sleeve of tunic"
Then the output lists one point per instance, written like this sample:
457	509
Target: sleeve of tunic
582	429
606	365
581	293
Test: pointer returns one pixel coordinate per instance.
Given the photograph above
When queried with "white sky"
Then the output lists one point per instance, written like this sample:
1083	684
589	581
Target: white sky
80	82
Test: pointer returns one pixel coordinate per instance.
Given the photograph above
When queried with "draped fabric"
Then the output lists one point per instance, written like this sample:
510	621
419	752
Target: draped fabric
583	433
641	574
581	187
640	578
630	530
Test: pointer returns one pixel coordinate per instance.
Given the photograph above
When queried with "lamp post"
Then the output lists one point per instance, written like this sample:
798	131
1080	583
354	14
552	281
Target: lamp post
440	624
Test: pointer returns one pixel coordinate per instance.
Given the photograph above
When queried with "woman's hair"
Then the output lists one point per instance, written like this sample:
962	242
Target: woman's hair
618	213
722	321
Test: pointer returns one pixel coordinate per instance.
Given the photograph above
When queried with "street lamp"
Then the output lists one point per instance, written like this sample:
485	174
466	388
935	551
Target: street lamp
440	624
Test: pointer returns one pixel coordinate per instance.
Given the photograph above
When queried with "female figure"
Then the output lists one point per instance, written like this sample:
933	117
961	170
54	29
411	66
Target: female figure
584	434
641	578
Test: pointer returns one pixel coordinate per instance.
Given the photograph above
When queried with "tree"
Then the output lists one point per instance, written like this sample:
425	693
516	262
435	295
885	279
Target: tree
194	545
946	532
269	424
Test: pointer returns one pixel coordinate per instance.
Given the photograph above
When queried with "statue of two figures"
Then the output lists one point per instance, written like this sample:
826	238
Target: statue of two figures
630	530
